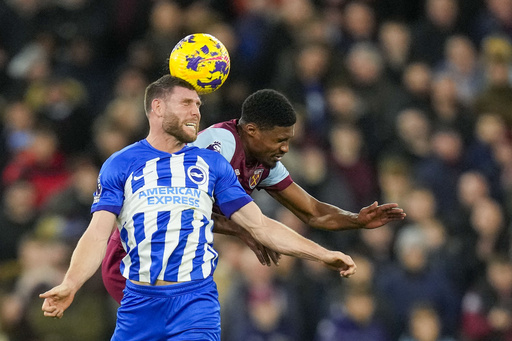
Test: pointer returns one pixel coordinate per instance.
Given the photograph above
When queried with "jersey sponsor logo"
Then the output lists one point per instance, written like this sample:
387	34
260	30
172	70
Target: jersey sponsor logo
197	175
97	194
215	146
171	195
254	180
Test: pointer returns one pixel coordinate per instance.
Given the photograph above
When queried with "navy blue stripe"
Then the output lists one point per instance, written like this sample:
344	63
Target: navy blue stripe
171	272
109	208
123	234
137	184
232	206
138	223
163	169
158	245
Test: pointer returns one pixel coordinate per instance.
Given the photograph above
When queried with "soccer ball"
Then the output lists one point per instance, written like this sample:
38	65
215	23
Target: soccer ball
202	60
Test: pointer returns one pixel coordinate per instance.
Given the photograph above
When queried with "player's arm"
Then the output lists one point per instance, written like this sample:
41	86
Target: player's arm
226	226
85	261
284	240
321	215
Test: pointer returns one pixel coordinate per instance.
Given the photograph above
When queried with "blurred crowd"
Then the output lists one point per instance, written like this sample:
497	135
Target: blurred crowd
406	101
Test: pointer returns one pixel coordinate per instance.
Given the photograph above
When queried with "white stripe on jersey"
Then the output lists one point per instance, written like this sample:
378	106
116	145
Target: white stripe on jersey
209	252
201	163
149	171
172	237
190	249
177	170
144	249
127	261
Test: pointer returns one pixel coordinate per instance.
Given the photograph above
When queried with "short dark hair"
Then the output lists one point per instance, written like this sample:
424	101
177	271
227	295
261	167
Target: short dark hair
268	108
161	87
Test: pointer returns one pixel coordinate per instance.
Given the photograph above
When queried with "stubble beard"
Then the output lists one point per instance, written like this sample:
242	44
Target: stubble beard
174	127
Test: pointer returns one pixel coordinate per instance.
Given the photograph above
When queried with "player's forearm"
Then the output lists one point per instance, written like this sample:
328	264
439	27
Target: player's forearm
277	236
333	218
85	260
90	250
284	240
225	226
314	212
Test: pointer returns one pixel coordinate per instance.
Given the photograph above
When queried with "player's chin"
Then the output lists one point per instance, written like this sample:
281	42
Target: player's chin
190	135
270	163
189	138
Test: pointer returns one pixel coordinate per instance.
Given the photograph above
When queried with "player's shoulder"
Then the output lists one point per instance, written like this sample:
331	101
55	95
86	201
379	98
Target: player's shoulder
128	152
227	125
220	138
204	153
223	132
130	155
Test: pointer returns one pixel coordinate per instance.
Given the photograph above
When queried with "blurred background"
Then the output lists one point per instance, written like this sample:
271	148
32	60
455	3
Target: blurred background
406	101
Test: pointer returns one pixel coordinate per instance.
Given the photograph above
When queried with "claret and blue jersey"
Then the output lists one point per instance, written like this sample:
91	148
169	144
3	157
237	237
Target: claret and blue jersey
224	139
164	203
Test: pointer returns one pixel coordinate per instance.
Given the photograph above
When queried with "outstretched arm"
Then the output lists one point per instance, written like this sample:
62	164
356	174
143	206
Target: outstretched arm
321	215
85	260
282	239
226	226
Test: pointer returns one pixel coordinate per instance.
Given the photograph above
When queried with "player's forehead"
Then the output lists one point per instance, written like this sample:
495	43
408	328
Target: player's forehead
180	93
278	132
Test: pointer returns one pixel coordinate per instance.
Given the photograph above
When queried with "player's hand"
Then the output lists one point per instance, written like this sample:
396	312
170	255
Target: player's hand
56	301
265	255
340	262
377	215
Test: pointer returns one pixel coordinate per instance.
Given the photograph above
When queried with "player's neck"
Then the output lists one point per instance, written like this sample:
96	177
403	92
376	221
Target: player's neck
249	159
165	143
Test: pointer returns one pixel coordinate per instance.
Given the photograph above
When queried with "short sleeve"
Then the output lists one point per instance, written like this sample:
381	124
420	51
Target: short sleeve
275	176
217	139
109	195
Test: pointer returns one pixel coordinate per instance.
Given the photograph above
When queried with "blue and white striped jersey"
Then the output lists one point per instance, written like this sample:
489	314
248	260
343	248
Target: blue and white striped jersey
163	204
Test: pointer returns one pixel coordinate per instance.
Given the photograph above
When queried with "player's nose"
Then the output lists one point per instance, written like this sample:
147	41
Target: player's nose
285	147
196	112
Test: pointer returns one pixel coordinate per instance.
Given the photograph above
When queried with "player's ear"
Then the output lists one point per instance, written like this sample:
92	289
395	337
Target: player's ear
251	129
156	107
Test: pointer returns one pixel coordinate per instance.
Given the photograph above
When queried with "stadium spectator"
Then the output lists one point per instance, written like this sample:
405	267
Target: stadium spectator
261	306
417	83
394	38
424	324
413	279
18	218
497	94
447	108
351	162
18	124
43	165
486	309
461	63
353	318
439	21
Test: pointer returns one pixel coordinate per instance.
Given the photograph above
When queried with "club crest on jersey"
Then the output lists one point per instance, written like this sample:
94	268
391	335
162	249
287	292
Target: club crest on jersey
215	146
97	194
197	175
254	180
